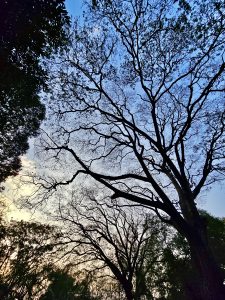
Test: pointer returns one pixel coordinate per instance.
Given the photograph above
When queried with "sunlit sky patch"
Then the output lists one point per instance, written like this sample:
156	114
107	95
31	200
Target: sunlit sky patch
14	190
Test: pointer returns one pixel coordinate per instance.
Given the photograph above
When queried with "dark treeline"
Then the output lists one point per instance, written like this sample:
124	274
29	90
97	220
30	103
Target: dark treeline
115	255
28	269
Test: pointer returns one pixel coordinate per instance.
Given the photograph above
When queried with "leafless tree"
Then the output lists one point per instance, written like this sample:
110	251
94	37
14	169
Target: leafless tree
137	105
124	244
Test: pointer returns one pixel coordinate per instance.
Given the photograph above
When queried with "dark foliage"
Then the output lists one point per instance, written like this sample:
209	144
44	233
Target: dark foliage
29	30
63	286
180	274
25	258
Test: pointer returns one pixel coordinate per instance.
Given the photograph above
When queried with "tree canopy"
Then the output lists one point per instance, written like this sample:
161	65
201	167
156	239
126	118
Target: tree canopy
27	253
30	30
124	244
63	286
137	105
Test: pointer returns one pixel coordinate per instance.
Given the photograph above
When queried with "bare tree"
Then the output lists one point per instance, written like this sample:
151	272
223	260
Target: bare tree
123	244
138	102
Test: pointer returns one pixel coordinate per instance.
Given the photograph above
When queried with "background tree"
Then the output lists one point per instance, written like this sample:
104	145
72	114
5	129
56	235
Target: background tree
140	110
30	256
30	30
179	273
125	245
27	251
63	286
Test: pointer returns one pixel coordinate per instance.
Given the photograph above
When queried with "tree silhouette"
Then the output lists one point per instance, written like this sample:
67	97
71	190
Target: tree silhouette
140	110
63	286
26	255
179	273
123	244
29	31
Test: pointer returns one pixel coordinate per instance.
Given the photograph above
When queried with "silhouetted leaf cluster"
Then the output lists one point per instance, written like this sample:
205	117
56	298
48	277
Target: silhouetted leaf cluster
30	30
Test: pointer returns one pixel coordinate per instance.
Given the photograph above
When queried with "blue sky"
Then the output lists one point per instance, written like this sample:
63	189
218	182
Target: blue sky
74	7
213	200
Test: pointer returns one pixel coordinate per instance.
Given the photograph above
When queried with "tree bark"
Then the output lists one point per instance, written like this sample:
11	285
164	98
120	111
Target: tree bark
209	281
128	290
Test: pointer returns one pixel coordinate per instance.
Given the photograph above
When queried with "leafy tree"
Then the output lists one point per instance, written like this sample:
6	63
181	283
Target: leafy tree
179	275
25	255
179	272
140	110
27	271
30	30
64	287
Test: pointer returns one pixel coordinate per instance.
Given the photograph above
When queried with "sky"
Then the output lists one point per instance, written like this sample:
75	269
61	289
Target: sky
74	7
212	201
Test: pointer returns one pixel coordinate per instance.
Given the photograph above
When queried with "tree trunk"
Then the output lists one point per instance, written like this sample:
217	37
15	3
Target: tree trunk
209	283
128	290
